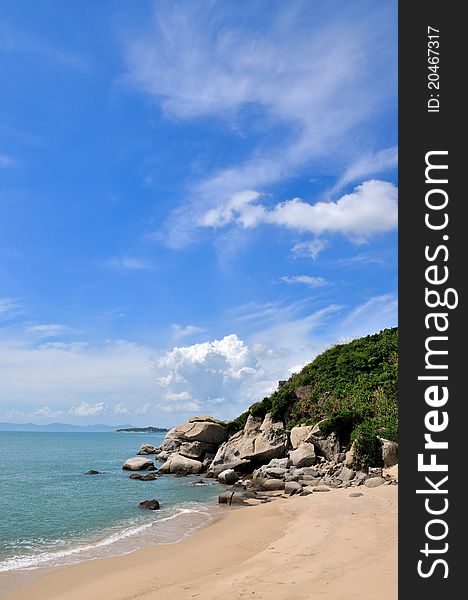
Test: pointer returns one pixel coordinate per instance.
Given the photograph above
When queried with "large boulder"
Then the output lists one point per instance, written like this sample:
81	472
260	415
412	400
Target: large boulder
303	456
257	443
201	431
177	464
300	434
204	419
292	487
327	445
138	464
196	450
389	452
146	449
229	477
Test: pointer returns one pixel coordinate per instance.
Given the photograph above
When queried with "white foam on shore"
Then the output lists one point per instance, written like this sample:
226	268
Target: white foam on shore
72	555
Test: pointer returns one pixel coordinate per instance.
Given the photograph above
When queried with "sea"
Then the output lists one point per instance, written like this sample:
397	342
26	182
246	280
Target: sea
53	515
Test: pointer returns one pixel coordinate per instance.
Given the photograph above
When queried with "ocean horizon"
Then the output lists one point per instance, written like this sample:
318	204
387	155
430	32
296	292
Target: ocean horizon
52	514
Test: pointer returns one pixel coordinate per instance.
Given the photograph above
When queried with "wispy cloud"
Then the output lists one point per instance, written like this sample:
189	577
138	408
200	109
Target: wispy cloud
195	61
179	331
88	410
304	279
10	307
51	330
128	263
311	249
369	165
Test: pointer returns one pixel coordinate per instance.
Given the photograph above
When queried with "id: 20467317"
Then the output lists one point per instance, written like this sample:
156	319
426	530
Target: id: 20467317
433	60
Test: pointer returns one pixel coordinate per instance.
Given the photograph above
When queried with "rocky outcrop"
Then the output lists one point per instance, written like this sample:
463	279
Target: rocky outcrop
389	452
325	445
257	443
198	439
303	456
138	464
92	472
196	450
180	465
300	434
146	449
149	504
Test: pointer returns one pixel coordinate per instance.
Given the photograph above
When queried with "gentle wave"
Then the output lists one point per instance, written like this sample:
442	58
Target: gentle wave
29	562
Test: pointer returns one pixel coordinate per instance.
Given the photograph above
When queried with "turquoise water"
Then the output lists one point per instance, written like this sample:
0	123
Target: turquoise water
52	514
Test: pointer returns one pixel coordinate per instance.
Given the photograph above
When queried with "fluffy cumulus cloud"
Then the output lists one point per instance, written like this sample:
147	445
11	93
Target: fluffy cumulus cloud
209	373
369	209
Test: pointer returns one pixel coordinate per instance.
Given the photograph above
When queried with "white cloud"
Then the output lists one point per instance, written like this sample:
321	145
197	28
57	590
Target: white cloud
45	411
196	374
369	209
372	315
305	279
50	330
59	373
369	164
128	263
9	307
120	409
86	410
313	77
311	249
179	332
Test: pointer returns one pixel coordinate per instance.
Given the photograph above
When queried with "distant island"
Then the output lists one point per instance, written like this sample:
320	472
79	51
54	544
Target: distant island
60	427
143	430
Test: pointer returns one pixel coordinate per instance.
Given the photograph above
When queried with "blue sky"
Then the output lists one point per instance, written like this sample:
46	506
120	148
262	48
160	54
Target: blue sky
195	199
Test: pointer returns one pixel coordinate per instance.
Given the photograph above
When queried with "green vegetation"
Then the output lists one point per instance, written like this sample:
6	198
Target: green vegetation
353	386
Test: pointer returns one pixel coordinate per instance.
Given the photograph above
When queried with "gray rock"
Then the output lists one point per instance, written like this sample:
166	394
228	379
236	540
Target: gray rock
273	485
147	449
389	452
196	450
300	434
138	464
229	477
135	476
275	472
92	472
150	504
280	463
356	494
259	442
291	477
375	471
292	487
340	457
321	488
374	482
345	474
149	477
177	464
200	431
303	456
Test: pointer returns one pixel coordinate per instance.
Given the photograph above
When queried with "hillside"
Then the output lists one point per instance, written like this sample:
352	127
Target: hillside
352	386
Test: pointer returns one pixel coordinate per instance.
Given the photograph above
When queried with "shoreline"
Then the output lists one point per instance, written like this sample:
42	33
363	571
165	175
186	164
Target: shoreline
325	543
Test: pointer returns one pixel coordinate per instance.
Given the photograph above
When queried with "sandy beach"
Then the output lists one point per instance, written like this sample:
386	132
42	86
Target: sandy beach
325	545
